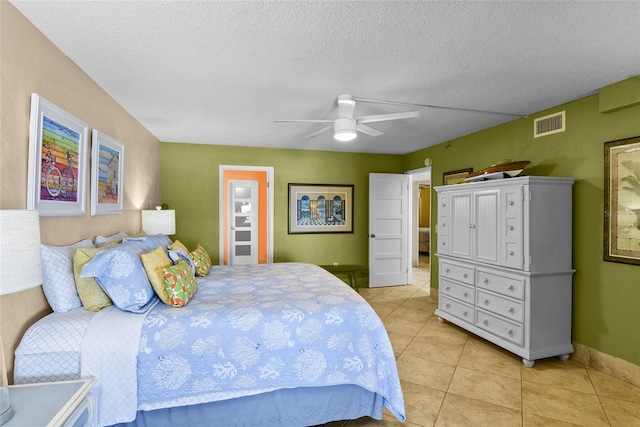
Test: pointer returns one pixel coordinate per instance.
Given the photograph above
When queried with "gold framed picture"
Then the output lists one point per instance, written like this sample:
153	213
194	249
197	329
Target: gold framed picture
455	177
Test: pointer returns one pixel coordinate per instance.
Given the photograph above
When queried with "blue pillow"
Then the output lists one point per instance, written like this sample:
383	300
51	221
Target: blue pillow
155	241
120	273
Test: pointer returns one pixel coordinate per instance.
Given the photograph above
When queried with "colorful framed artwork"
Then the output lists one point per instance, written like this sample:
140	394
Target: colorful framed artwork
58	160
320	208
455	177
107	174
622	201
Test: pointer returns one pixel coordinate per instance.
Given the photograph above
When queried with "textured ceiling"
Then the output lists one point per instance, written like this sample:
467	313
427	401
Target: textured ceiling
215	72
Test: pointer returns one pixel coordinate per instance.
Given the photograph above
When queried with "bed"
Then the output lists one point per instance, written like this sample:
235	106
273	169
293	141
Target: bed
283	344
423	241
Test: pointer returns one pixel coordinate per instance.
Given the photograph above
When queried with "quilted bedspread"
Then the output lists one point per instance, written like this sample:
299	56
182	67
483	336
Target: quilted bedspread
252	329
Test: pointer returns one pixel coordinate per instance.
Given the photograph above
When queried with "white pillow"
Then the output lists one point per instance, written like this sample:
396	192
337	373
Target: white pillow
58	282
114	238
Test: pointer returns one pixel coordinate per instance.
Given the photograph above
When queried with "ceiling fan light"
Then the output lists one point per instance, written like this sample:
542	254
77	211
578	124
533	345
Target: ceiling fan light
344	129
345	135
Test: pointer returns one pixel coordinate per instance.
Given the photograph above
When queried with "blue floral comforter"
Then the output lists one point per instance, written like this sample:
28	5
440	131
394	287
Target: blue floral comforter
252	329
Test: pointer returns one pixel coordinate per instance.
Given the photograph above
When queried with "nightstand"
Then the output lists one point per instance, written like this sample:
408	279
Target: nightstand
64	403
351	271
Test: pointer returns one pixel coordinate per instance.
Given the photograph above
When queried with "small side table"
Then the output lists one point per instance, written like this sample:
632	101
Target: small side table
51	404
351	271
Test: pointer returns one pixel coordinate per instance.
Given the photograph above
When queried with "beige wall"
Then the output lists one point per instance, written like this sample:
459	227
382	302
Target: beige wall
29	62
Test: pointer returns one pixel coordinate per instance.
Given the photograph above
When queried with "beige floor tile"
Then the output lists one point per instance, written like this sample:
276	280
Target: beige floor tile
443	331
621	413
403	326
399	342
533	420
611	387
422	404
425	372
561	404
459	411
483	356
569	375
435	350
416	316
382	309
487	387
421	302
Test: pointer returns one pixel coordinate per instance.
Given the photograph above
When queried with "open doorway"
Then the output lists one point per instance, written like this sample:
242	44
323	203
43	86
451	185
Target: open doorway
420	225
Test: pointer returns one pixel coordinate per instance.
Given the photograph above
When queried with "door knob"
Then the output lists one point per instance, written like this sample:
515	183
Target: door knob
373	236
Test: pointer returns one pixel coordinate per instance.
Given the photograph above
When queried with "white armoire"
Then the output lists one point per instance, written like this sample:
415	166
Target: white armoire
504	251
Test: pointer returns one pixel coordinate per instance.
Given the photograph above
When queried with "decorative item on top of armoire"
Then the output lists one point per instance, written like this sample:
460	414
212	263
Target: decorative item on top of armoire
622	201
455	177
159	221
504	251
107	174
58	160
503	169
20	269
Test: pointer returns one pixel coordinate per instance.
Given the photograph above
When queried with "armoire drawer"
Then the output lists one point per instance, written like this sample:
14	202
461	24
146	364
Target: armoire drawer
457	272
457	290
457	308
510	331
502	283
507	307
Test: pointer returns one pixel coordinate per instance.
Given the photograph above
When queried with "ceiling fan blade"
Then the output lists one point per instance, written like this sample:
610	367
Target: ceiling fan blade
384	117
382	101
323	130
368	130
303	121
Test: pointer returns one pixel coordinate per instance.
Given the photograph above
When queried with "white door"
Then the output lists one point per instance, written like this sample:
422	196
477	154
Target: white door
243	222
460	226
485	225
388	229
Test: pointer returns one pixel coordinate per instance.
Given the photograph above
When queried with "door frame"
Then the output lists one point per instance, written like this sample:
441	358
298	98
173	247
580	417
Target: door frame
417	176
222	208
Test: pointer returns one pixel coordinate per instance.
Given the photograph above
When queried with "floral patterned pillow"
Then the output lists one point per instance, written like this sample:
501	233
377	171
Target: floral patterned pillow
180	284
201	260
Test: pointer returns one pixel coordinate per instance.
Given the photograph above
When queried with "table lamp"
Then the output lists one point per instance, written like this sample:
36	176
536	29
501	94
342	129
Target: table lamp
20	269
159	221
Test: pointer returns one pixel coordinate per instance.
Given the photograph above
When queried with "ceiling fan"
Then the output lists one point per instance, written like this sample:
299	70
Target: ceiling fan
346	126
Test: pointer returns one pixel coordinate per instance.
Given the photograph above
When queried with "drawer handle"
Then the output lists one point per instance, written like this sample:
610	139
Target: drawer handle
465	294
444	243
485	322
447	305
444	205
485	301
511	202
511	253
509	331
510	309
446	288
511	228
510	287
472	226
485	281
446	270
465	313
465	275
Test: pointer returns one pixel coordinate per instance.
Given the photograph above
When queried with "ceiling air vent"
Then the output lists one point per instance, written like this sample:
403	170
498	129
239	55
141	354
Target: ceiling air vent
547	125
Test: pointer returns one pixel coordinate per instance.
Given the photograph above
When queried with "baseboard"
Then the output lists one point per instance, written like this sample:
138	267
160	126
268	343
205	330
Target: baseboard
614	366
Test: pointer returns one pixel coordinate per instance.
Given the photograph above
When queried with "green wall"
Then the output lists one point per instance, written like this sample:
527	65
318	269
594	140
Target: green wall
606	305
190	185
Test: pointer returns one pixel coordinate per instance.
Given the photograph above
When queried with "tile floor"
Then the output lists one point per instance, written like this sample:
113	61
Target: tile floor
453	378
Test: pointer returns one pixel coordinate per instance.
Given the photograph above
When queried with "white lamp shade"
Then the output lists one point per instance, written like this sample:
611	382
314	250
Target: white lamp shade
159	222
20	256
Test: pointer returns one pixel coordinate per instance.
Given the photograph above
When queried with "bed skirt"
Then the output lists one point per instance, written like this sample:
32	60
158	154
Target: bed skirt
306	406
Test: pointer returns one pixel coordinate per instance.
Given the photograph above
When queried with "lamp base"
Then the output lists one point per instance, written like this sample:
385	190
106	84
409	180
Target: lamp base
6	415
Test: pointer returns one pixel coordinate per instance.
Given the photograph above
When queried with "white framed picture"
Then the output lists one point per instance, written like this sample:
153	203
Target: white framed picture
58	160
107	174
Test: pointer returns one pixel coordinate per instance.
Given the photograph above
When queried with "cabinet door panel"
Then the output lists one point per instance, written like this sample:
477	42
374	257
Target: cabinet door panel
460	225
485	225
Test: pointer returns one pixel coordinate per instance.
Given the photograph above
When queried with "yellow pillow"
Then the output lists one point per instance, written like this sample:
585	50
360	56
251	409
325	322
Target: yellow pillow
154	262
178	244
91	294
